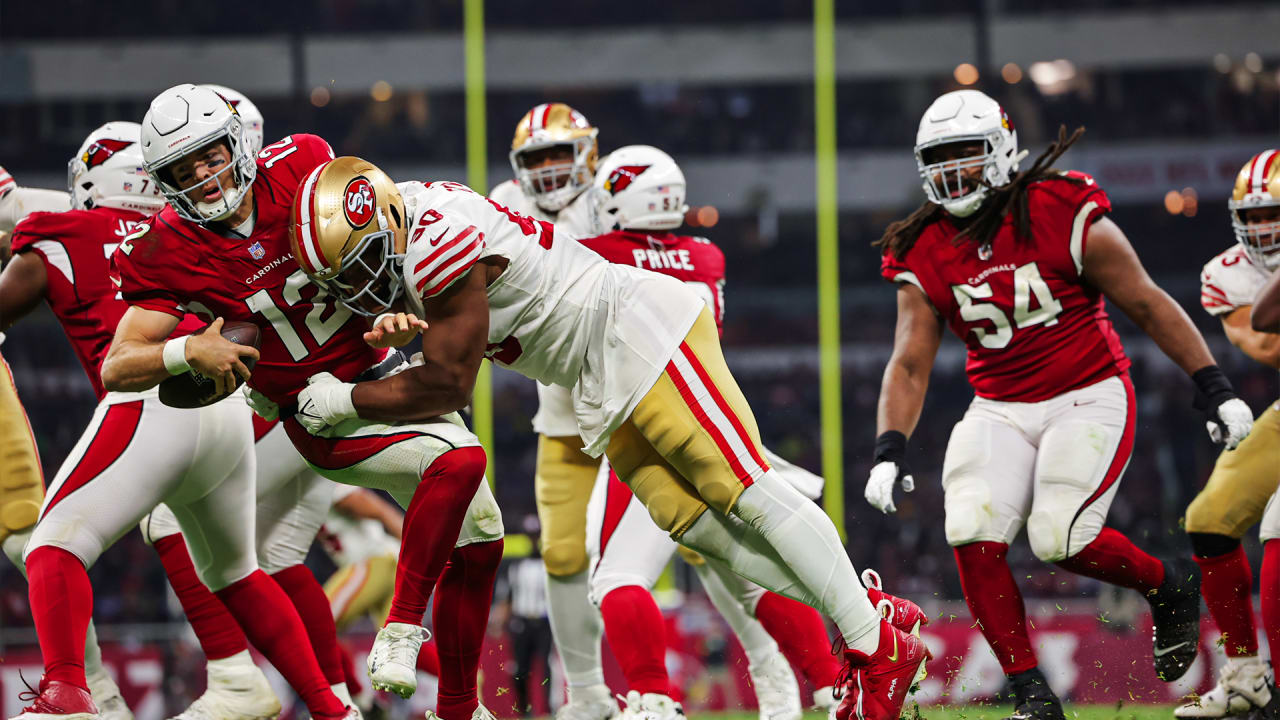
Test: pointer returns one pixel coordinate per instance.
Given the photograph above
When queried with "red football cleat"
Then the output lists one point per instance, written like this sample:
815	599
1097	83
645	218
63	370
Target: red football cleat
901	613
58	700
874	687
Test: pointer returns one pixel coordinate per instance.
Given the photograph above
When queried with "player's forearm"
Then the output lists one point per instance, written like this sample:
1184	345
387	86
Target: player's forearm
1168	325
419	393
902	394
133	366
22	201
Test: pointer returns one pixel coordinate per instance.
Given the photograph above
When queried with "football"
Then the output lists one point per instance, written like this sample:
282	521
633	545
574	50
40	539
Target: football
192	389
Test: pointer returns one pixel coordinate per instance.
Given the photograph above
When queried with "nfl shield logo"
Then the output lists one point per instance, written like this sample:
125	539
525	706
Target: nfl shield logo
257	251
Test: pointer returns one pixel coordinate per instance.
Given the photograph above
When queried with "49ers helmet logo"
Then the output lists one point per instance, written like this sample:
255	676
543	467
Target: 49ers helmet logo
620	178
101	151
357	202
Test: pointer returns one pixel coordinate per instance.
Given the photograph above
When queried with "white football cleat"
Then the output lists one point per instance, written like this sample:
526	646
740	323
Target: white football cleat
593	702
236	690
393	659
824	700
1242	686
106	695
777	693
651	706
482	713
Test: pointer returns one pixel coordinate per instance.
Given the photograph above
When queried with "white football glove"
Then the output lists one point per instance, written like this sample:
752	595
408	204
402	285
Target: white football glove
1233	424
261	405
324	402
879	491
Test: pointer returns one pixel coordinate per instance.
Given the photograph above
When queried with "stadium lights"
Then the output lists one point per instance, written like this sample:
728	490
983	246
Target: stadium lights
1052	77
320	96
1011	73
1253	62
966	74
1222	63
381	91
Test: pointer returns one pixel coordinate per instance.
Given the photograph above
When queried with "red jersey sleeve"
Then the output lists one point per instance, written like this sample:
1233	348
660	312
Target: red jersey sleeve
1072	203
142	280
297	154
898	271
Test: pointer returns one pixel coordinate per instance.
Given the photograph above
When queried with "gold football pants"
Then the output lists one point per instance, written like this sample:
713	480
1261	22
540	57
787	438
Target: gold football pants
363	588
692	441
1242	481
21	479
562	482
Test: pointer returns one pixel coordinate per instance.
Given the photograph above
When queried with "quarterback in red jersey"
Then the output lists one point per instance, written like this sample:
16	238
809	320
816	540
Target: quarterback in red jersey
221	250
1018	264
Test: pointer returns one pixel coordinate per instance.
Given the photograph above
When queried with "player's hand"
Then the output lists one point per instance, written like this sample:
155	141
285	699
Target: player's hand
394	330
217	358
1229	419
890	468
324	402
261	405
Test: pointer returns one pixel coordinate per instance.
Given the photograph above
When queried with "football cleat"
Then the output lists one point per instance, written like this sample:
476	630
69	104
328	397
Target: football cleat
824	701
650	706
106	695
57	700
874	687
900	612
482	713
1243	687
236	690
393	659
1271	711
777	693
593	702
1032	697
1175	619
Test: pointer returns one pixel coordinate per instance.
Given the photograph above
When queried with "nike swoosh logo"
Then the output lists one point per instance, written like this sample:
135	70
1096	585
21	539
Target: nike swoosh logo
1161	652
894	656
1078	403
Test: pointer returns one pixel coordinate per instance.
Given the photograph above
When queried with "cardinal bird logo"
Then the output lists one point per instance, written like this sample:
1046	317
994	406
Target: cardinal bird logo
620	178
102	150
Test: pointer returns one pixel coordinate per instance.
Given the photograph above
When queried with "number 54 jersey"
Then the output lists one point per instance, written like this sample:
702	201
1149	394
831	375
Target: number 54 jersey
1034	327
172	265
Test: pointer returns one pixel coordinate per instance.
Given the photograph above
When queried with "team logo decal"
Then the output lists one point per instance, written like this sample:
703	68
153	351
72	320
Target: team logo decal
984	252
257	251
1005	122
619	179
357	202
102	150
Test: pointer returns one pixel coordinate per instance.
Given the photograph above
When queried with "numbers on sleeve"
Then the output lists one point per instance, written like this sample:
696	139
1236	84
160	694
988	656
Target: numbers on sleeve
320	330
1027	284
270	154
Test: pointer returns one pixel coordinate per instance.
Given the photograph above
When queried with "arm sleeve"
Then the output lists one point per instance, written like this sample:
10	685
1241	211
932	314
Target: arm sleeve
1229	282
21	202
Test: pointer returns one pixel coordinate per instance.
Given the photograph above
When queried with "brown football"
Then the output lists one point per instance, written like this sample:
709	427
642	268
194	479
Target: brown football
193	390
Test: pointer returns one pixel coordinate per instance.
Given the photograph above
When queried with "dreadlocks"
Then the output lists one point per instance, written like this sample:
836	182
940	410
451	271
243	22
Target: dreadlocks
1011	198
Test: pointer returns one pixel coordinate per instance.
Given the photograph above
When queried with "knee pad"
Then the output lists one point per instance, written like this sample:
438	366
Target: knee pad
969	515
1047	535
21	481
672	503
563	557
483	523
1208	545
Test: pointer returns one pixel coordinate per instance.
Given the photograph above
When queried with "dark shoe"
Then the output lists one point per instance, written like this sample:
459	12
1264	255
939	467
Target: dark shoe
1175	616
1033	700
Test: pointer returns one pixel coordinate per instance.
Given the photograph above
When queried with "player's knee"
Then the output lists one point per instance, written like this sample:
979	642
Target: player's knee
563	558
969	513
1208	545
20	497
1056	536
159	524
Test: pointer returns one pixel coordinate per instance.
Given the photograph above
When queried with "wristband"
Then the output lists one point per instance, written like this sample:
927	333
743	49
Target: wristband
891	446
175	355
1212	387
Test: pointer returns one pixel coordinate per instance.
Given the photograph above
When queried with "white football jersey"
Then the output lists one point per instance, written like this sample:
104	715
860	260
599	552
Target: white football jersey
1230	281
555	416
347	540
559	314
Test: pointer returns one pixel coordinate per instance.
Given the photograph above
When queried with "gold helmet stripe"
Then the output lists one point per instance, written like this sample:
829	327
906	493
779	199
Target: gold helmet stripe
1261	170
309	239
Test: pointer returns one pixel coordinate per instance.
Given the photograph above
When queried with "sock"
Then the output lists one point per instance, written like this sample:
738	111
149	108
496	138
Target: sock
61	604
431	525
1269	598
635	628
349	671
1113	558
312	605
577	628
1226	581
736	598
803	539
995	602
215	629
429	658
461	617
273	626
92	652
802	636
339	691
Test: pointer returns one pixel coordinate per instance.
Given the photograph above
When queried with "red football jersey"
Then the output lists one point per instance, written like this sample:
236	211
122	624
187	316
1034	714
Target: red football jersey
695	261
1034	328
172	265
75	247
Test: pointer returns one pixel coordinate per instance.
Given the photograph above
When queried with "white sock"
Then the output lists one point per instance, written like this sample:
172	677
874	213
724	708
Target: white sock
344	696
736	597
576	628
240	659
13	545
92	653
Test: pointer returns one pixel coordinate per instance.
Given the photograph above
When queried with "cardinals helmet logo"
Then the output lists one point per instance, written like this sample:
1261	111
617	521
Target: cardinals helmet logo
102	150
620	178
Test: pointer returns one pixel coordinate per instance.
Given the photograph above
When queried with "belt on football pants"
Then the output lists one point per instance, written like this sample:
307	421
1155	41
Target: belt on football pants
391	362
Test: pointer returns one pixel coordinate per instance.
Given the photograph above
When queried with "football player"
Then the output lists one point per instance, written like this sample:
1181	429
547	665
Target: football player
1019	264
1243	481
650	389
639	195
136	451
554	154
220	249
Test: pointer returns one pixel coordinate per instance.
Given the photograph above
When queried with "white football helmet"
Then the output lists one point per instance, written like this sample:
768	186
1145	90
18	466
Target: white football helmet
639	187
185	119
249	114
965	116
107	171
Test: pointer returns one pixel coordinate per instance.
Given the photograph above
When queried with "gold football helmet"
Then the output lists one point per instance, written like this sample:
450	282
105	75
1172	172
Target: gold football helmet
349	233
554	154
1258	188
